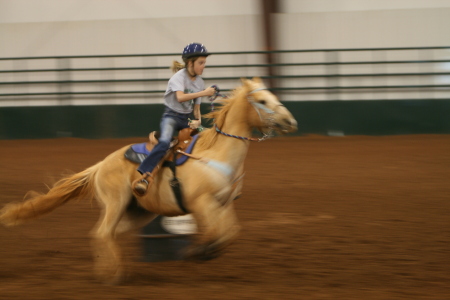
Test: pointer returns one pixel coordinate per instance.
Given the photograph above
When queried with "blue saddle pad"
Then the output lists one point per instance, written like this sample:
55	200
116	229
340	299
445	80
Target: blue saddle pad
138	152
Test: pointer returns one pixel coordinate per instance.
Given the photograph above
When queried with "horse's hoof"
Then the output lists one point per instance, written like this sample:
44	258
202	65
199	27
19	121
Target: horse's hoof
109	277
117	279
201	253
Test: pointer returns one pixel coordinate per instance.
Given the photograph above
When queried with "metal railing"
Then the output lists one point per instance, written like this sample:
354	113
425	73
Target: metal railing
324	74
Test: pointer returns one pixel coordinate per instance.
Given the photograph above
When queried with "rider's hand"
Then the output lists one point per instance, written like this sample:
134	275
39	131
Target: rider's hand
194	124
209	91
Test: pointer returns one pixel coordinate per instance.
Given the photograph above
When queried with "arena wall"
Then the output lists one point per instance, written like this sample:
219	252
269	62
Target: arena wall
89	27
55	28
334	118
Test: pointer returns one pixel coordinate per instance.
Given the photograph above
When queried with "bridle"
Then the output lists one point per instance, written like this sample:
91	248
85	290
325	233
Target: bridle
258	107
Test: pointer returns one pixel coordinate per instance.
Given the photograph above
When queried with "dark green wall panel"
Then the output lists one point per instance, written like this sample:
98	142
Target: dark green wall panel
372	117
79	121
319	117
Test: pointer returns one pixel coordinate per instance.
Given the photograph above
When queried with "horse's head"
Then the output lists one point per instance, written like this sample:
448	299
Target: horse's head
266	112
251	105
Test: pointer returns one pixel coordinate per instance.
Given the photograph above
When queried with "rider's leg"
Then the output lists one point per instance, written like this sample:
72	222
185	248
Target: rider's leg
168	127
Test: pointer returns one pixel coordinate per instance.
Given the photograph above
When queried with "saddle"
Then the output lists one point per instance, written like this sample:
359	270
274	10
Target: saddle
184	142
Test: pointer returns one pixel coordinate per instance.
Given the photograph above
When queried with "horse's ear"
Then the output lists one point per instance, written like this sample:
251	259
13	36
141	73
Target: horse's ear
246	82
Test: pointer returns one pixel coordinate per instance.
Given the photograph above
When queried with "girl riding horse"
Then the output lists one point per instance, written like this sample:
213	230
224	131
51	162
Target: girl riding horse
209	184
182	97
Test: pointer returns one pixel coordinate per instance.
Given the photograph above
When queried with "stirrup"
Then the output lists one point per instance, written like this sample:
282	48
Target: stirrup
140	186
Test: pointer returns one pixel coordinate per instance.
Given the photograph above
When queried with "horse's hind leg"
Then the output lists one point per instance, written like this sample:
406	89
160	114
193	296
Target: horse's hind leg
135	217
107	255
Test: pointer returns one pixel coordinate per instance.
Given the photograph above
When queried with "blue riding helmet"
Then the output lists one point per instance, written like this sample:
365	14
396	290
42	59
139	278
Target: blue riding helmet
193	50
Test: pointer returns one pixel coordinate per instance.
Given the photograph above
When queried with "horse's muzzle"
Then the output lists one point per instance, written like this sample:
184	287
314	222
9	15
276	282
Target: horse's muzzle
286	125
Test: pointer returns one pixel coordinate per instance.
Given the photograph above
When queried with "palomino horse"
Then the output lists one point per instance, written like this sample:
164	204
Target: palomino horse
209	184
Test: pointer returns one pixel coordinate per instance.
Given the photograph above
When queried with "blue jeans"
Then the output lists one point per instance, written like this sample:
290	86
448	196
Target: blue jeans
171	121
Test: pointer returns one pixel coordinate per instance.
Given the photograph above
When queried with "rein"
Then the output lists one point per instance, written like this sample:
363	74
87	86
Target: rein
216	94
257	107
264	137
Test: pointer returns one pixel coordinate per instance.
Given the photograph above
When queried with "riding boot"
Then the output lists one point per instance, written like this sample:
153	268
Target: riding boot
148	168
140	186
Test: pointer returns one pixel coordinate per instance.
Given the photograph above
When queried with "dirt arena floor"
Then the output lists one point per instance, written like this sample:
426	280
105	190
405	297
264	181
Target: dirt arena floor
322	218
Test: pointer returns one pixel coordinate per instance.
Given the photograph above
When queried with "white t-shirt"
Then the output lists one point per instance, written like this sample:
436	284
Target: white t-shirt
181	81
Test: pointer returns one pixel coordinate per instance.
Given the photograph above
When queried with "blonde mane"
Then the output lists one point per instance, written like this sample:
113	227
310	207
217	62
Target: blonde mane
209	136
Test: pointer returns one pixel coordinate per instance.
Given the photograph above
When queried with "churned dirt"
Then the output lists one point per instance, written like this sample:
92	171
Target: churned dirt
323	218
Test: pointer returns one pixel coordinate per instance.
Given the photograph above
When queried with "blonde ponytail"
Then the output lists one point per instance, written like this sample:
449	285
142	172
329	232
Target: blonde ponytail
177	66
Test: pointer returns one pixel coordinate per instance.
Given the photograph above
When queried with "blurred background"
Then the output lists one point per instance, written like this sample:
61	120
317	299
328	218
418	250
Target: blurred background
98	69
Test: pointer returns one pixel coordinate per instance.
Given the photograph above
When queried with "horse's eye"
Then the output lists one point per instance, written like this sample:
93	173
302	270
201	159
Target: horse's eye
263	102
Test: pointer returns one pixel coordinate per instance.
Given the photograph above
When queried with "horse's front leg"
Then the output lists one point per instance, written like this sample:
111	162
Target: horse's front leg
217	227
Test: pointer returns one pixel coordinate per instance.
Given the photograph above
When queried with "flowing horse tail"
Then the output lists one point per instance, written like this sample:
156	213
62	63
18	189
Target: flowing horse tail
68	188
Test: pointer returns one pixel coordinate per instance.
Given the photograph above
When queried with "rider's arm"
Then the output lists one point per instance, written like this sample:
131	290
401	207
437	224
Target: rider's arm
197	114
182	97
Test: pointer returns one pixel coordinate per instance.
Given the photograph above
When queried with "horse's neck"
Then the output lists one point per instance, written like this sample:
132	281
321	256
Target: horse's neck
230	149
